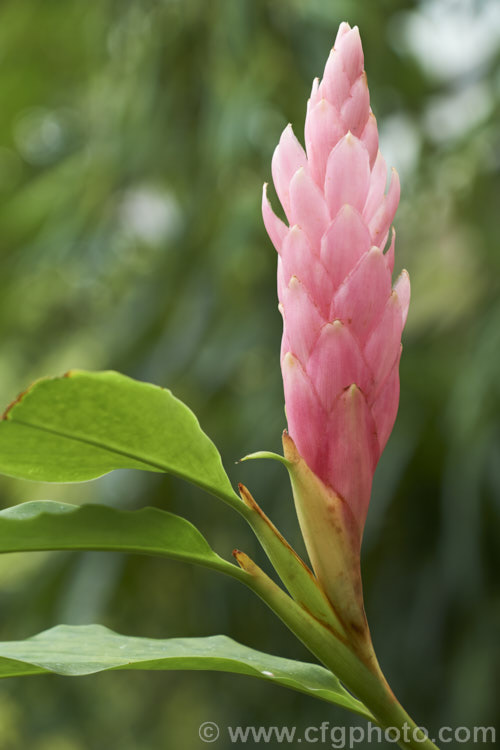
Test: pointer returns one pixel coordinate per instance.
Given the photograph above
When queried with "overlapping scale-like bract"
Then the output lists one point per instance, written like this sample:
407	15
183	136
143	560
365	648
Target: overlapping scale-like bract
342	317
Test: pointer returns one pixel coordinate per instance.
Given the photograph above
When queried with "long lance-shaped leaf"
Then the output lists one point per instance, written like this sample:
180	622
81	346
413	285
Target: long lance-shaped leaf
83	425
49	525
86	649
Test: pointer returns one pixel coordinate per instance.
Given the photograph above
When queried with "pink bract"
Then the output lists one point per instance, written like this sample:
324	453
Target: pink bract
342	317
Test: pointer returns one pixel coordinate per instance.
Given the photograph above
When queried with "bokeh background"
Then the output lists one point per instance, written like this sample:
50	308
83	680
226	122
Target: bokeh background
134	140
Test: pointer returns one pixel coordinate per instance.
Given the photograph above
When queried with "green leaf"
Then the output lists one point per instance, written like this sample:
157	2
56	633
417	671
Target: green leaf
48	525
87	649
83	425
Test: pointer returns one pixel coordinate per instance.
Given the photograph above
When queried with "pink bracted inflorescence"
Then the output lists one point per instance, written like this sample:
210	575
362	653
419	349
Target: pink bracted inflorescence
342	319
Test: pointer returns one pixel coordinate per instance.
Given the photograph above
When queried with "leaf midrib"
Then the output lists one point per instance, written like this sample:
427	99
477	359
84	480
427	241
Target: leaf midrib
110	448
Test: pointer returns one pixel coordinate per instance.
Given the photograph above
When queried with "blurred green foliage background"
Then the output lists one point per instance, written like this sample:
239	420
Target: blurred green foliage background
134	140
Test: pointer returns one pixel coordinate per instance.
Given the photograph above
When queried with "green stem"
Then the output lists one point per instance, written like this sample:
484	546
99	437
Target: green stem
365	681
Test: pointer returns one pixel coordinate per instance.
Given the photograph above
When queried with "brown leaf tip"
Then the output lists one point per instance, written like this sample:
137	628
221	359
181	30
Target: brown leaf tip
289	448
247	498
16	401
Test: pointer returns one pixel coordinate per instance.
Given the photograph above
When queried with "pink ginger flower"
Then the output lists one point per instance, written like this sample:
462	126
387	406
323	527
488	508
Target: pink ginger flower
342	319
